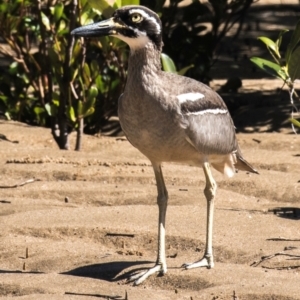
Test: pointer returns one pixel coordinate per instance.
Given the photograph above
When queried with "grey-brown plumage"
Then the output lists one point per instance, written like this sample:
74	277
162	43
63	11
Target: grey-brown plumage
170	118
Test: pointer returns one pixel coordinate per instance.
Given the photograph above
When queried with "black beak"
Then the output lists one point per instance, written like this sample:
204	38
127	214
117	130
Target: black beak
106	27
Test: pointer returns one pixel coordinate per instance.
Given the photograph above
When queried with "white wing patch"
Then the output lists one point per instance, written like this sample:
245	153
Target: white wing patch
189	97
214	111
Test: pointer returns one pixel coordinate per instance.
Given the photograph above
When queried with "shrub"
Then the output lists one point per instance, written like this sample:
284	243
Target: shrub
67	84
286	67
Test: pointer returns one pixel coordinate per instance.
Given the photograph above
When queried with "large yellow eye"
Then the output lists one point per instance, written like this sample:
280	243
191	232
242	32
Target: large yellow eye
136	18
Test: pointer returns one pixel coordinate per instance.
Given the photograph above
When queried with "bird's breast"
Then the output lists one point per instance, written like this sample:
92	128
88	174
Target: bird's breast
152	130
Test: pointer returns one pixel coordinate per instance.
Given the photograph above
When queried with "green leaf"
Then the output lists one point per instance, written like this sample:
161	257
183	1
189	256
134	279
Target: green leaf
86	74
13	68
99	5
294	64
79	108
117	4
82	2
38	110
184	70
270	67
102	87
77	49
54	57
25	78
71	113
87	106
90	111
167	63
130	2
270	44
115	84
293	43
52	108
85	18
295	122
93	92
4	99
4	8
279	39
102	7
94	66
90	102
45	21
7	115
58	11
75	74
105	43
61	27
48	109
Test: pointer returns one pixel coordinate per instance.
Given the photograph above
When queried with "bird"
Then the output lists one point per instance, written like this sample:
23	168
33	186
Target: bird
169	118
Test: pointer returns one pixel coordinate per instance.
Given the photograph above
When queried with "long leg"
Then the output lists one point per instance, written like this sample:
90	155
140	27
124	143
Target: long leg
209	192
162	201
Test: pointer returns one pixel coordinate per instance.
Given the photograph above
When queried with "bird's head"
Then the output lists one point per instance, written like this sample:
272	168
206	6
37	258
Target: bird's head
135	25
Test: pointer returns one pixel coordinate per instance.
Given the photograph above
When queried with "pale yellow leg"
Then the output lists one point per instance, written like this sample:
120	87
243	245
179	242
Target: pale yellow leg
162	201
209	192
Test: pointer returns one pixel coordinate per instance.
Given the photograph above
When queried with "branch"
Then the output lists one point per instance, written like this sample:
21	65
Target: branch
267	257
45	70
19	184
281	268
120	234
284	239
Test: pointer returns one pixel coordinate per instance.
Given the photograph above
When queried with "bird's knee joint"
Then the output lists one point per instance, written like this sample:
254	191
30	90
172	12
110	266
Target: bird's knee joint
162	199
210	191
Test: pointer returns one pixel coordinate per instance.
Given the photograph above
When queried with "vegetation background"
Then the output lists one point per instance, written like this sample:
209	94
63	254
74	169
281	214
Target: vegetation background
48	78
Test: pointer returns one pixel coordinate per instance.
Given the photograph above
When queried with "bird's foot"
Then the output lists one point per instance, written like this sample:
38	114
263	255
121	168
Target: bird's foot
207	261
142	276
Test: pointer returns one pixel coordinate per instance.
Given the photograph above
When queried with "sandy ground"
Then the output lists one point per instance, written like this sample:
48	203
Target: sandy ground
69	217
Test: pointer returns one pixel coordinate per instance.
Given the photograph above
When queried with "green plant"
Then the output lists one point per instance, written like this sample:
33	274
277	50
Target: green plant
41	77
286	67
53	80
192	32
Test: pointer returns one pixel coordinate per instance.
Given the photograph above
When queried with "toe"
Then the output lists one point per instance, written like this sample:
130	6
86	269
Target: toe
140	277
206	261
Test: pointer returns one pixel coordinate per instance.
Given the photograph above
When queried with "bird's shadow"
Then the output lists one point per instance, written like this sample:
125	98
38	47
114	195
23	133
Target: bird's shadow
292	213
110	271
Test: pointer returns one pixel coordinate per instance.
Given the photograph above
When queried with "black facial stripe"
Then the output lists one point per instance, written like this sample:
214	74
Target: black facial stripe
128	32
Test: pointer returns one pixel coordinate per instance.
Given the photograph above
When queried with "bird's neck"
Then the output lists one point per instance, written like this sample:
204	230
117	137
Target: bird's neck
144	64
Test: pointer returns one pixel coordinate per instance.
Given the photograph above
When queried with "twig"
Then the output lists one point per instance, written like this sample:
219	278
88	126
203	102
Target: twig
108	297
281	268
19	184
284	239
120	234
234	296
263	258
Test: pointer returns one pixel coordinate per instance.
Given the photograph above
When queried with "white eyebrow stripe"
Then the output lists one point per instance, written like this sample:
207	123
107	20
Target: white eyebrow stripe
146	16
214	111
189	97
